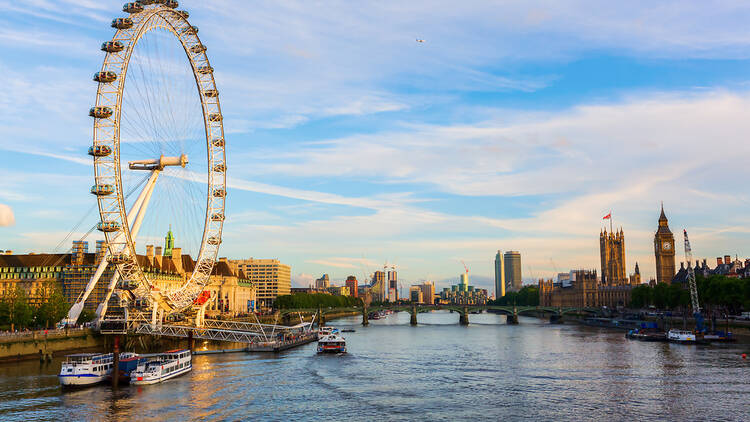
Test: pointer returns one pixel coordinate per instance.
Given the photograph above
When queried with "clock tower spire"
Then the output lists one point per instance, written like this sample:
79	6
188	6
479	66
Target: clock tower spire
664	250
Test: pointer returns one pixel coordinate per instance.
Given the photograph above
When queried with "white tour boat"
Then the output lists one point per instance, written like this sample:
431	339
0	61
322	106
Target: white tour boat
163	367
85	369
326	331
684	336
332	343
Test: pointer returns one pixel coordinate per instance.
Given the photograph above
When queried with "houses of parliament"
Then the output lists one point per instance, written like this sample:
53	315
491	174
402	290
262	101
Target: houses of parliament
582	288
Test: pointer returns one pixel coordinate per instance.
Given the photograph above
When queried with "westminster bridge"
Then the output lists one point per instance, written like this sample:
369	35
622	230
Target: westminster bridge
511	311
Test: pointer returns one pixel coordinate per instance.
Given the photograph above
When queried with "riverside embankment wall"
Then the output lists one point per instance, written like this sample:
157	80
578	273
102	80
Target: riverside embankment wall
37	344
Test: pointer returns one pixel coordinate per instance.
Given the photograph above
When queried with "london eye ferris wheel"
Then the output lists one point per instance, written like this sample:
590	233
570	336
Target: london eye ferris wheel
158	151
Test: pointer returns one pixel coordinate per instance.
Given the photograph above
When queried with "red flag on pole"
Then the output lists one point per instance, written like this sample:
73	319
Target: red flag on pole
607	217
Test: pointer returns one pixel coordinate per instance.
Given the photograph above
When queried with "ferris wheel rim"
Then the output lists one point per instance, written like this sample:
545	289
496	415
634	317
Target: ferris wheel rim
107	121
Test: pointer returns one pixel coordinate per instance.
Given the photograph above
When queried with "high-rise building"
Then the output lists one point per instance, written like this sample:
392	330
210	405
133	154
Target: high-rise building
379	286
612	252
664	250
499	275
393	285
464	283
323	283
351	283
428	292
512	263
415	294
270	276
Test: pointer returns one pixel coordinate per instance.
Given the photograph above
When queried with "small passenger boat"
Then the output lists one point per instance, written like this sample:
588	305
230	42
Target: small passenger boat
332	343
685	337
163	367
325	331
82	369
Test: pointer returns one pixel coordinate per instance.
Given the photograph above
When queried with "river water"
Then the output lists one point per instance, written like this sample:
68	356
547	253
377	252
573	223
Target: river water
436	371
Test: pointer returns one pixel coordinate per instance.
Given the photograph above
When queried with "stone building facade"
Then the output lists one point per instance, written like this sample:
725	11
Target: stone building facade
39	274
583	290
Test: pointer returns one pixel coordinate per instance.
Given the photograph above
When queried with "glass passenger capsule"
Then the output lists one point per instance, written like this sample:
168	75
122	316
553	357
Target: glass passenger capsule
211	93
133	7
105	77
190	30
108	226
100	112
213	240
102	190
122	23
118	259
221	168
183	14
147	2
219	193
204	70
218	142
172	4
113	46
214	117
198	48
217	217
100	151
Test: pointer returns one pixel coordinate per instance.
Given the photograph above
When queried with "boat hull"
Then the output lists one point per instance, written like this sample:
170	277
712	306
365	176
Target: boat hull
81	380
157	379
341	349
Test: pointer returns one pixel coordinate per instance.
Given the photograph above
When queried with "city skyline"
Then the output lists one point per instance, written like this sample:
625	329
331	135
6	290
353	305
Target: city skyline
358	148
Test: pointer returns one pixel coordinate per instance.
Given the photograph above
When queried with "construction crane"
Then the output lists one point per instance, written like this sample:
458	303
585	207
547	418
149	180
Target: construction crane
692	284
465	268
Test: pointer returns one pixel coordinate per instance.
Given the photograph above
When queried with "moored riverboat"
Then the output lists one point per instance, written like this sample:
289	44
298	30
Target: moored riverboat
332	343
646	335
83	369
685	337
128	363
719	337
162	367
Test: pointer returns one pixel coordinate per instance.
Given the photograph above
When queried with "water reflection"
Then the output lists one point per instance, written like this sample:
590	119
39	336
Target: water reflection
435	371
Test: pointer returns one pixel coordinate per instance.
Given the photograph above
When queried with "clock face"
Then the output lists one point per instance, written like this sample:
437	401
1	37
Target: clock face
666	246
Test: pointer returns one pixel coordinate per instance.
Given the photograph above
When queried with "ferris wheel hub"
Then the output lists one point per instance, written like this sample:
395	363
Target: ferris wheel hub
159	163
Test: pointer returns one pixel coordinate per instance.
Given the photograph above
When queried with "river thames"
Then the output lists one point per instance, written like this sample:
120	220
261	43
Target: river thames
436	371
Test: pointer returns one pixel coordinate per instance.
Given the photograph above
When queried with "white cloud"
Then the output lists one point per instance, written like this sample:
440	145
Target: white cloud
585	148
6	216
302	280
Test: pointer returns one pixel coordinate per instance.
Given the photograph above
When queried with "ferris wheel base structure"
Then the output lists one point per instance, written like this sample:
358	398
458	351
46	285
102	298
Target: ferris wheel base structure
122	226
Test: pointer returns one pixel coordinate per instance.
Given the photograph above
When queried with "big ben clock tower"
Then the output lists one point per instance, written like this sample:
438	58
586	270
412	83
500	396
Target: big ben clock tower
664	250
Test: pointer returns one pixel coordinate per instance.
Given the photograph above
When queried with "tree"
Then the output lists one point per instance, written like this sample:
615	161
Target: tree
527	296
660	295
641	296
15	309
677	297
53	309
86	316
716	292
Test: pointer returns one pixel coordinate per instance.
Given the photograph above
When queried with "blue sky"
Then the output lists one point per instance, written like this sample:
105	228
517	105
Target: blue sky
516	125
